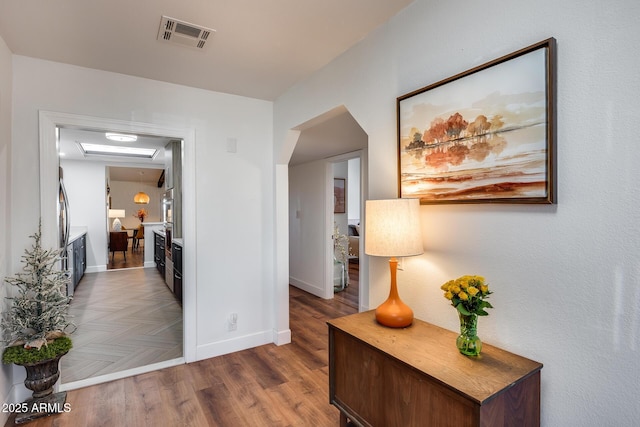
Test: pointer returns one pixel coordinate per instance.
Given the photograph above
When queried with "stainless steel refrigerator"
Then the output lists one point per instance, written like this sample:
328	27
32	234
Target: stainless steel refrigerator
64	228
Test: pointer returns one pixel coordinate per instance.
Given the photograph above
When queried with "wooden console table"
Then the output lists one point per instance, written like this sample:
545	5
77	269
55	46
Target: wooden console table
415	376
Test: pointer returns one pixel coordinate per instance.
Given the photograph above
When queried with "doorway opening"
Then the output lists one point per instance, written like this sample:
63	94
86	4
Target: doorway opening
347	195
322	152
123	184
49	161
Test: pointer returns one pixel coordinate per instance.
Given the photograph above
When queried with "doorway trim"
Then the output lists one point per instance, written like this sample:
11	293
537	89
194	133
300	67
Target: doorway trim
49	161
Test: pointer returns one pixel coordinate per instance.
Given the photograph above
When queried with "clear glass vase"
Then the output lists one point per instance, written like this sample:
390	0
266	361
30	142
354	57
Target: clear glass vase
339	276
468	342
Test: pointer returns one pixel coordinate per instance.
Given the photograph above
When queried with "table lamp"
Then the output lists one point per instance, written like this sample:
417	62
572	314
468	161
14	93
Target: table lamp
392	229
116	213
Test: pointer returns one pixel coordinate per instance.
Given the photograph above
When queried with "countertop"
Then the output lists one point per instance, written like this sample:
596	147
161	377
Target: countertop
177	240
76	232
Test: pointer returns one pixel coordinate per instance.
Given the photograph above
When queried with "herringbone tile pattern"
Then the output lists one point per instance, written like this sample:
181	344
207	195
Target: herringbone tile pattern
125	319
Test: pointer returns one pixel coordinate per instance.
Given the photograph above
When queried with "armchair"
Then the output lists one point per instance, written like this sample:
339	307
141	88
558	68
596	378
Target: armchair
118	241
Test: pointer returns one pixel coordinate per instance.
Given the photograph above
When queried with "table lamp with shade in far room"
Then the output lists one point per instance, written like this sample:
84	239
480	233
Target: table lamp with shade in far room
392	229
117	214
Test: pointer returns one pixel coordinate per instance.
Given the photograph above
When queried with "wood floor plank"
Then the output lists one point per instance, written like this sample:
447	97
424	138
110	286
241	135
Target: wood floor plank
217	406
267	374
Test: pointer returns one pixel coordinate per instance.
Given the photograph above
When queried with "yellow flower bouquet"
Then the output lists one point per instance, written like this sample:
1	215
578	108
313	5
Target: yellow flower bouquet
467	294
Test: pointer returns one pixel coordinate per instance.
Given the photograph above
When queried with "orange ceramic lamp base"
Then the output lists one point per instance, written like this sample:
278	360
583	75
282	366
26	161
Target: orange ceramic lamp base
393	312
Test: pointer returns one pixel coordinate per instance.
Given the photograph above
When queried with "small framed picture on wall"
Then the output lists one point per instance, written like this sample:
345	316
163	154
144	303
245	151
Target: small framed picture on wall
338	195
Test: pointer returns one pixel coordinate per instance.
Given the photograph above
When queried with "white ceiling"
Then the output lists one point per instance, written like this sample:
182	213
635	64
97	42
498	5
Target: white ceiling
126	174
260	48
336	132
121	168
69	140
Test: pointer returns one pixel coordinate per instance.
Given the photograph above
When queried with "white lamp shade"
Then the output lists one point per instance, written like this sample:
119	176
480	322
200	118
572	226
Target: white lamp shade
392	228
116	213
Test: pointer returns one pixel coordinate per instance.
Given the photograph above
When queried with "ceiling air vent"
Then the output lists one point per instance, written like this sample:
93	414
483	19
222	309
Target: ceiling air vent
180	32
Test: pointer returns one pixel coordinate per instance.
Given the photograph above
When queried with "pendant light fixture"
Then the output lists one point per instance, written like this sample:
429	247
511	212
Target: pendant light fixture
141	198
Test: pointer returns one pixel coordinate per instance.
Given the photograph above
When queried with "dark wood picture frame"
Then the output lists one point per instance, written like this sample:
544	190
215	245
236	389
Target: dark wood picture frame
486	135
339	193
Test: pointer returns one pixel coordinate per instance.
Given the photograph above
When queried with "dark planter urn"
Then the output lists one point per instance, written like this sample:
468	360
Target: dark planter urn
42	376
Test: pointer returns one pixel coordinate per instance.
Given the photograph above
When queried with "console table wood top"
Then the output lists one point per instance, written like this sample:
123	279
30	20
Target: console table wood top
430	352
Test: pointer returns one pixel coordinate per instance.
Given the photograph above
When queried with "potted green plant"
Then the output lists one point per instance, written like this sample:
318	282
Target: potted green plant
36	327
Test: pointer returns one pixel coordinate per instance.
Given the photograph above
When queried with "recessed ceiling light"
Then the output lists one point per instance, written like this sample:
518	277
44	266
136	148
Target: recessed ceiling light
112	150
120	137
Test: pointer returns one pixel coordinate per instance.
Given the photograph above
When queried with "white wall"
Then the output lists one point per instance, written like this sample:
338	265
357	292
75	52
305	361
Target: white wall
353	191
307	229
85	185
5	197
566	277
233	191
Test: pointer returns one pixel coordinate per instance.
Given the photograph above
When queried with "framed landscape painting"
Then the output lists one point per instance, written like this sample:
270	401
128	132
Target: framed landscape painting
486	135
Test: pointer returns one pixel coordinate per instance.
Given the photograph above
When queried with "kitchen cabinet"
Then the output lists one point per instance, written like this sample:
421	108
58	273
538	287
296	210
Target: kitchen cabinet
415	376
76	260
158	252
176	250
79	259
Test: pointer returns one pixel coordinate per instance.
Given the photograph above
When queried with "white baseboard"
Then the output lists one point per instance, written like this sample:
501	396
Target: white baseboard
119	375
234	344
282	337
96	268
307	287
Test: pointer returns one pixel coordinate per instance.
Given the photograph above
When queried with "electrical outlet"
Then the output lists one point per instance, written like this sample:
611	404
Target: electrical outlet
232	322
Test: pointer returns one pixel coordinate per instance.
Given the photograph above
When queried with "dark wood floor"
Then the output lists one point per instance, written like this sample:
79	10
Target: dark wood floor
265	386
134	258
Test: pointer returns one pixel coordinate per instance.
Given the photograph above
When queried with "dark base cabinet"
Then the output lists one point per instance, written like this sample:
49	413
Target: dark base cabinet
158	253
160	258
77	258
176	255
